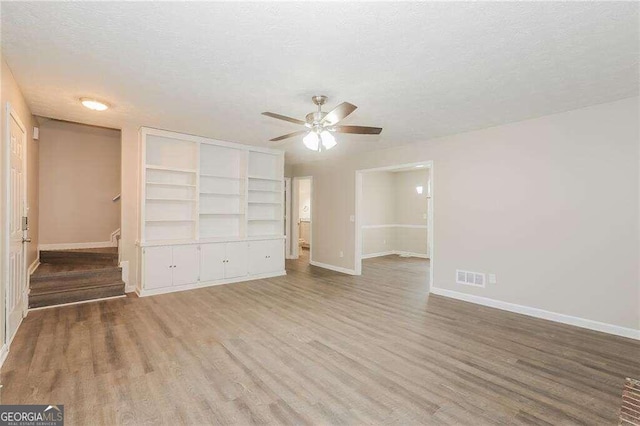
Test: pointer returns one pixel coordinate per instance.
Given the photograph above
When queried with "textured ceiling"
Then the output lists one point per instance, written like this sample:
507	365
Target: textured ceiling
419	70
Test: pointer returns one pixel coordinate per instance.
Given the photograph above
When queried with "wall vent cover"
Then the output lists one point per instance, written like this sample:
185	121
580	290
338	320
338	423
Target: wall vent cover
475	279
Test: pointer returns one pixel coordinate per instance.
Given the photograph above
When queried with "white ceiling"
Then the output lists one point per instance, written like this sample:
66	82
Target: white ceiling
419	70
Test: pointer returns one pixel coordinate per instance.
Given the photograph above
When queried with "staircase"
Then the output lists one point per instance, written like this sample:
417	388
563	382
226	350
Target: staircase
66	276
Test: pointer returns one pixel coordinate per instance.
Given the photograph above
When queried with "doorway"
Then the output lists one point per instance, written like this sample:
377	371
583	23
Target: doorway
394	217
302	234
15	224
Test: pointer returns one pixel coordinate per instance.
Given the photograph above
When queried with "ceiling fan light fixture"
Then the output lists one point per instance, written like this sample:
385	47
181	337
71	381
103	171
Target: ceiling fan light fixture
328	141
311	141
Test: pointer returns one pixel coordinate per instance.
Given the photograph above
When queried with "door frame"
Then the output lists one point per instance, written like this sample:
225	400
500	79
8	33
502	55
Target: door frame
6	207
358	212
296	216
287	219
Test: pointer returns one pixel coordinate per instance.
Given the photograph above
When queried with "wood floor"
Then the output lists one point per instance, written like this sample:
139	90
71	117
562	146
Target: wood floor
315	347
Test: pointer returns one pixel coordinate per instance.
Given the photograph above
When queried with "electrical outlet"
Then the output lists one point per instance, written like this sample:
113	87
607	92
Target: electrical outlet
341	253
384	242
492	279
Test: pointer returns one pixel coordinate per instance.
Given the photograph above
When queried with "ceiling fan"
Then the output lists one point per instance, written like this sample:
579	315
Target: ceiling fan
320	125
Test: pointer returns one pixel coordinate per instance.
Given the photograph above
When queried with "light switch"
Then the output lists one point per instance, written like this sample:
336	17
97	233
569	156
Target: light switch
352	218
424	216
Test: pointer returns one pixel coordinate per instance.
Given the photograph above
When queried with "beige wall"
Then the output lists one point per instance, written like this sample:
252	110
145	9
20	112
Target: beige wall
550	205
390	199
10	92
79	176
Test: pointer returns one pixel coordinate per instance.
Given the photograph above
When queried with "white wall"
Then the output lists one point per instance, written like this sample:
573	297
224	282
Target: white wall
550	205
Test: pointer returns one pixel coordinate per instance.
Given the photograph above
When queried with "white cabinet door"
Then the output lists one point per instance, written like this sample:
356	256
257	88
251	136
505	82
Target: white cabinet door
186	264
212	258
236	260
275	256
266	256
157	267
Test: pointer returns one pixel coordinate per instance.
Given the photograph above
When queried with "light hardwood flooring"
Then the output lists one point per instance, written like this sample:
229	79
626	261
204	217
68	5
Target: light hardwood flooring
315	347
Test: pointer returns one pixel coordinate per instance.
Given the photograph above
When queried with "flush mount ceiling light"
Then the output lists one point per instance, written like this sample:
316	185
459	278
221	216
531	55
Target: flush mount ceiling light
419	166
94	104
321	125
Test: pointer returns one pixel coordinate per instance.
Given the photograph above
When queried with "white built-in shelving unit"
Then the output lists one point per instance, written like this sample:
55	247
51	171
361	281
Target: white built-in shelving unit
199	191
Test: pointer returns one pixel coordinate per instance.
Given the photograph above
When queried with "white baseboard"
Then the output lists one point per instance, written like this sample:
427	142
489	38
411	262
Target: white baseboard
71	246
34	265
379	254
540	313
156	291
333	267
397	252
411	254
4	351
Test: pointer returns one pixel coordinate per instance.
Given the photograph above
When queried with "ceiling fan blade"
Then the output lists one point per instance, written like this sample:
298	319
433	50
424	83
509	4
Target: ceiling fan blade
289	135
284	117
338	113
361	130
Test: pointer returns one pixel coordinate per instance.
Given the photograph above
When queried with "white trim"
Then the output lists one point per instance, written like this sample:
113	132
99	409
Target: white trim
114	237
4	351
144	131
72	246
246	278
430	220
102	299
396	252
287	218
34	265
411	254
395	225
378	254
540	313
333	268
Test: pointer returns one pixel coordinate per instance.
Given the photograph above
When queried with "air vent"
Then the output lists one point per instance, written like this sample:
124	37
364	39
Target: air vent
475	279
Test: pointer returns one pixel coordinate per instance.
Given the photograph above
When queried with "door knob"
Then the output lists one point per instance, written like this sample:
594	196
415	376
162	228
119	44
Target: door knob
26	240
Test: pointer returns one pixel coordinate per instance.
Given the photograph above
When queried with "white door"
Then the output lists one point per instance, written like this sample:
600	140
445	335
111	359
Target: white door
17	283
236	256
186	265
157	267
212	257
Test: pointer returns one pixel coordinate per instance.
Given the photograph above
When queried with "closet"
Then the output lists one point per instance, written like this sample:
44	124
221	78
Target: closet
211	212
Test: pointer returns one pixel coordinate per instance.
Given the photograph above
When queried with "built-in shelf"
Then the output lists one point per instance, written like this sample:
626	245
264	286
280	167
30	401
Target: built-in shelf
220	194
170	169
219	177
259	219
170	184
265	202
221	214
169	220
264	190
170	199
265	178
